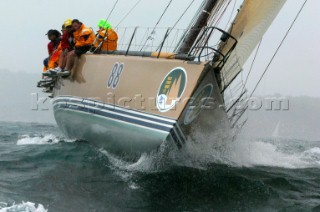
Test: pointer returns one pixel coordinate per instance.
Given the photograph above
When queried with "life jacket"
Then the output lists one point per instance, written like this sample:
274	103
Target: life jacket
111	40
84	36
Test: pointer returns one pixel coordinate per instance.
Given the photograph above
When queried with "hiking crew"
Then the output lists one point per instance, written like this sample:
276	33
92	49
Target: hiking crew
77	39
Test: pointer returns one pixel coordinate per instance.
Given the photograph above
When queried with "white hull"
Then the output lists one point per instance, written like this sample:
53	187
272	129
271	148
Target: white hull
116	129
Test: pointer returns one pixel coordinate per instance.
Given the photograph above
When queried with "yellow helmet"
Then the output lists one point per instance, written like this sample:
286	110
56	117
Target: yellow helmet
68	23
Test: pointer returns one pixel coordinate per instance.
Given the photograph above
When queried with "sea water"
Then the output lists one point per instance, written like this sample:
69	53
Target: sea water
41	170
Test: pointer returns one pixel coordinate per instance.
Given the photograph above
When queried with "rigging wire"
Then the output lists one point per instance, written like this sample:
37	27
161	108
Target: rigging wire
179	19
280	45
165	10
134	6
184	12
251	67
114	6
233	9
243	84
192	22
150	37
222	12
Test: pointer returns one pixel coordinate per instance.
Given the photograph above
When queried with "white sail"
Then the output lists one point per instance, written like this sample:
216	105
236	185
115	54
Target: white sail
249	26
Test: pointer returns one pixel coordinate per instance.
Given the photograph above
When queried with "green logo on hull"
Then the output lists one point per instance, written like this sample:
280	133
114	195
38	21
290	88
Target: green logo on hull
171	89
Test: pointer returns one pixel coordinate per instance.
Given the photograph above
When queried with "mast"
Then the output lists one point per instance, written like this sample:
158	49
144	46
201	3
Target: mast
197	27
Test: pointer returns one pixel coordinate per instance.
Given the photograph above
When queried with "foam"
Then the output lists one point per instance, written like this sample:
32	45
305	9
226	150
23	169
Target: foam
239	153
221	148
259	153
41	140
312	156
252	152
23	207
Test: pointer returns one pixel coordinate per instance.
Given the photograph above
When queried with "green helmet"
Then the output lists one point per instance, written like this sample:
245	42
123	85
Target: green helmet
107	25
102	23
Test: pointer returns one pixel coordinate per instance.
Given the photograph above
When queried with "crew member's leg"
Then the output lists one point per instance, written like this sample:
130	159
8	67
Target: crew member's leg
62	60
70	60
46	62
77	54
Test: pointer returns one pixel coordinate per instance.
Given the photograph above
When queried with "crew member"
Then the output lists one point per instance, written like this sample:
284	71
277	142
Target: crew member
107	38
84	38
54	36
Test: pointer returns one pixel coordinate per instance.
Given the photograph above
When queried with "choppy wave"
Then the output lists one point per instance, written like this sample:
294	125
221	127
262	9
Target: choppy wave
312	156
41	140
239	153
261	153
23	207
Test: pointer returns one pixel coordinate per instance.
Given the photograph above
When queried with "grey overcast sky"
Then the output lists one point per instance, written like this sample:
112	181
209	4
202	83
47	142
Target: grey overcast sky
294	72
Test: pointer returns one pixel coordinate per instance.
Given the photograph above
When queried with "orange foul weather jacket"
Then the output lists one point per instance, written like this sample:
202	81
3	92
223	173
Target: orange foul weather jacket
111	39
84	36
54	59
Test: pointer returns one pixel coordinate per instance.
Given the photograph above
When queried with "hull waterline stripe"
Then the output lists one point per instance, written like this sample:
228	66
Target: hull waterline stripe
94	110
115	117
181	140
124	122
115	108
175	139
179	132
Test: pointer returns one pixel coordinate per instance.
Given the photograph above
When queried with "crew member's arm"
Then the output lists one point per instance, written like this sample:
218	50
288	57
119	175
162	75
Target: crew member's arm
50	48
